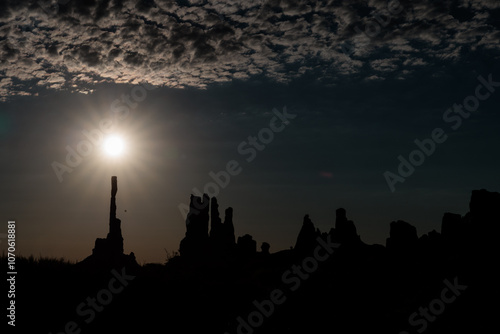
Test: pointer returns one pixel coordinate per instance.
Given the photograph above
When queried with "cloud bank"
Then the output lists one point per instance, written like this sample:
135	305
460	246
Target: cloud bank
74	45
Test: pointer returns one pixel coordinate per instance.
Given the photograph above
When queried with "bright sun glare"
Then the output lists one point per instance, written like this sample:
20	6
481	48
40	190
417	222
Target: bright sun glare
114	146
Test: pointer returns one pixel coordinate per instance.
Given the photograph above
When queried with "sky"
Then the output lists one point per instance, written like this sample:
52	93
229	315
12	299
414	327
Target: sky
388	109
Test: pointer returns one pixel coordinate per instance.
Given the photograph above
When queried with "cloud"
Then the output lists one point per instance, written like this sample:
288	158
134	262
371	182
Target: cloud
384	65
73	44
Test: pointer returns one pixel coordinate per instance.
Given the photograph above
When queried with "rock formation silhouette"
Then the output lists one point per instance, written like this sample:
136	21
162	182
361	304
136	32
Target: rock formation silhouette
108	252
485	217
306	240
198	241
113	244
221	234
246	246
484	209
216	227
264	248
345	230
479	228
228	229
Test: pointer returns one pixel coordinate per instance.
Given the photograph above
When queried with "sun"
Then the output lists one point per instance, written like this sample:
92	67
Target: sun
114	146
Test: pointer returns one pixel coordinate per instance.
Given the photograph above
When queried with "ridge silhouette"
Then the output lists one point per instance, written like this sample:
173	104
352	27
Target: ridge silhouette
219	282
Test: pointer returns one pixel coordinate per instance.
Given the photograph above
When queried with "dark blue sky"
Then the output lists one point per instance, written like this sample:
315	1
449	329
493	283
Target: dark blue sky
218	72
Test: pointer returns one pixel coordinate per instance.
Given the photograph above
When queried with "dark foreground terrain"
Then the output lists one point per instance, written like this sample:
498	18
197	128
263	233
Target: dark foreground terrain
330	282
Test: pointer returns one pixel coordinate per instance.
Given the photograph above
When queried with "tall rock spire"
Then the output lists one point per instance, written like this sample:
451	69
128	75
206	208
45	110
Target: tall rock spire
112	206
113	244
216	223
115	232
108	252
229	238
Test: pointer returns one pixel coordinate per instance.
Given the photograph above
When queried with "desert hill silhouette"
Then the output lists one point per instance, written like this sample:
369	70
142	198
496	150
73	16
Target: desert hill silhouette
440	282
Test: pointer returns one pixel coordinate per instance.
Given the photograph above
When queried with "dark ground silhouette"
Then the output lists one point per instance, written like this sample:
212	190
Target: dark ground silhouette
329	282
